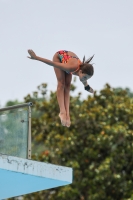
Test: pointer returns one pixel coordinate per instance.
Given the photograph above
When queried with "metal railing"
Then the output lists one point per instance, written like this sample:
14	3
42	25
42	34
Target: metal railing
16	137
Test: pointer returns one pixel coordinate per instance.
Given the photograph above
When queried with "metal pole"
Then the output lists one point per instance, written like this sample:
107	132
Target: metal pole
16	106
29	135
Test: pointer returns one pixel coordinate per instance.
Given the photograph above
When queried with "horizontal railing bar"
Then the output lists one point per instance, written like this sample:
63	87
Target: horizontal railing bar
16	106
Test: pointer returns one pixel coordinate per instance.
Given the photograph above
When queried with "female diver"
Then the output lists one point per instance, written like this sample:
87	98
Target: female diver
66	64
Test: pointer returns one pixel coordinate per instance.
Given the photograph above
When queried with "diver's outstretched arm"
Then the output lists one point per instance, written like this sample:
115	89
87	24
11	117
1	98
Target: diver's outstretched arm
58	65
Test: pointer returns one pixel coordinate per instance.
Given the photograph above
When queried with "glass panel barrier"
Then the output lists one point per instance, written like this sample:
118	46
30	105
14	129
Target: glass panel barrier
14	128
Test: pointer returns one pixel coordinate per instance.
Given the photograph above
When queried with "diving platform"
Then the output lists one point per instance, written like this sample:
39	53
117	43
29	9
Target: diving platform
19	176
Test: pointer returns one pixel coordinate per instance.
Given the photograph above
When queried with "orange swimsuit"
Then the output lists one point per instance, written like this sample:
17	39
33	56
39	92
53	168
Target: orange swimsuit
64	57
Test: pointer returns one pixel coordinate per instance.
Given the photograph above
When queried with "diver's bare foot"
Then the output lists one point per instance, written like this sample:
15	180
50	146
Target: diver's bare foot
62	117
68	122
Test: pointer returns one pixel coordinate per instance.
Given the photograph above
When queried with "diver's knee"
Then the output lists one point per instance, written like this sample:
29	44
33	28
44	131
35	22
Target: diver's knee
61	85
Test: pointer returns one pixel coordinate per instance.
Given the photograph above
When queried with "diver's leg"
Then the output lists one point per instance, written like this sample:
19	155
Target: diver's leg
60	75
68	78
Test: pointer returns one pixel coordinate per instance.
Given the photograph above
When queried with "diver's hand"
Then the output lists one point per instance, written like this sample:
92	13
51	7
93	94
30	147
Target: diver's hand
32	54
89	89
86	86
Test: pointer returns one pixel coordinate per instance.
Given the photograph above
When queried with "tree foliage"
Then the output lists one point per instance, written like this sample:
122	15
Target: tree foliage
98	145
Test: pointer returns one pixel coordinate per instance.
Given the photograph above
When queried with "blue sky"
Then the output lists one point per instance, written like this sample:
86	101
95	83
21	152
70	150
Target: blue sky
87	27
